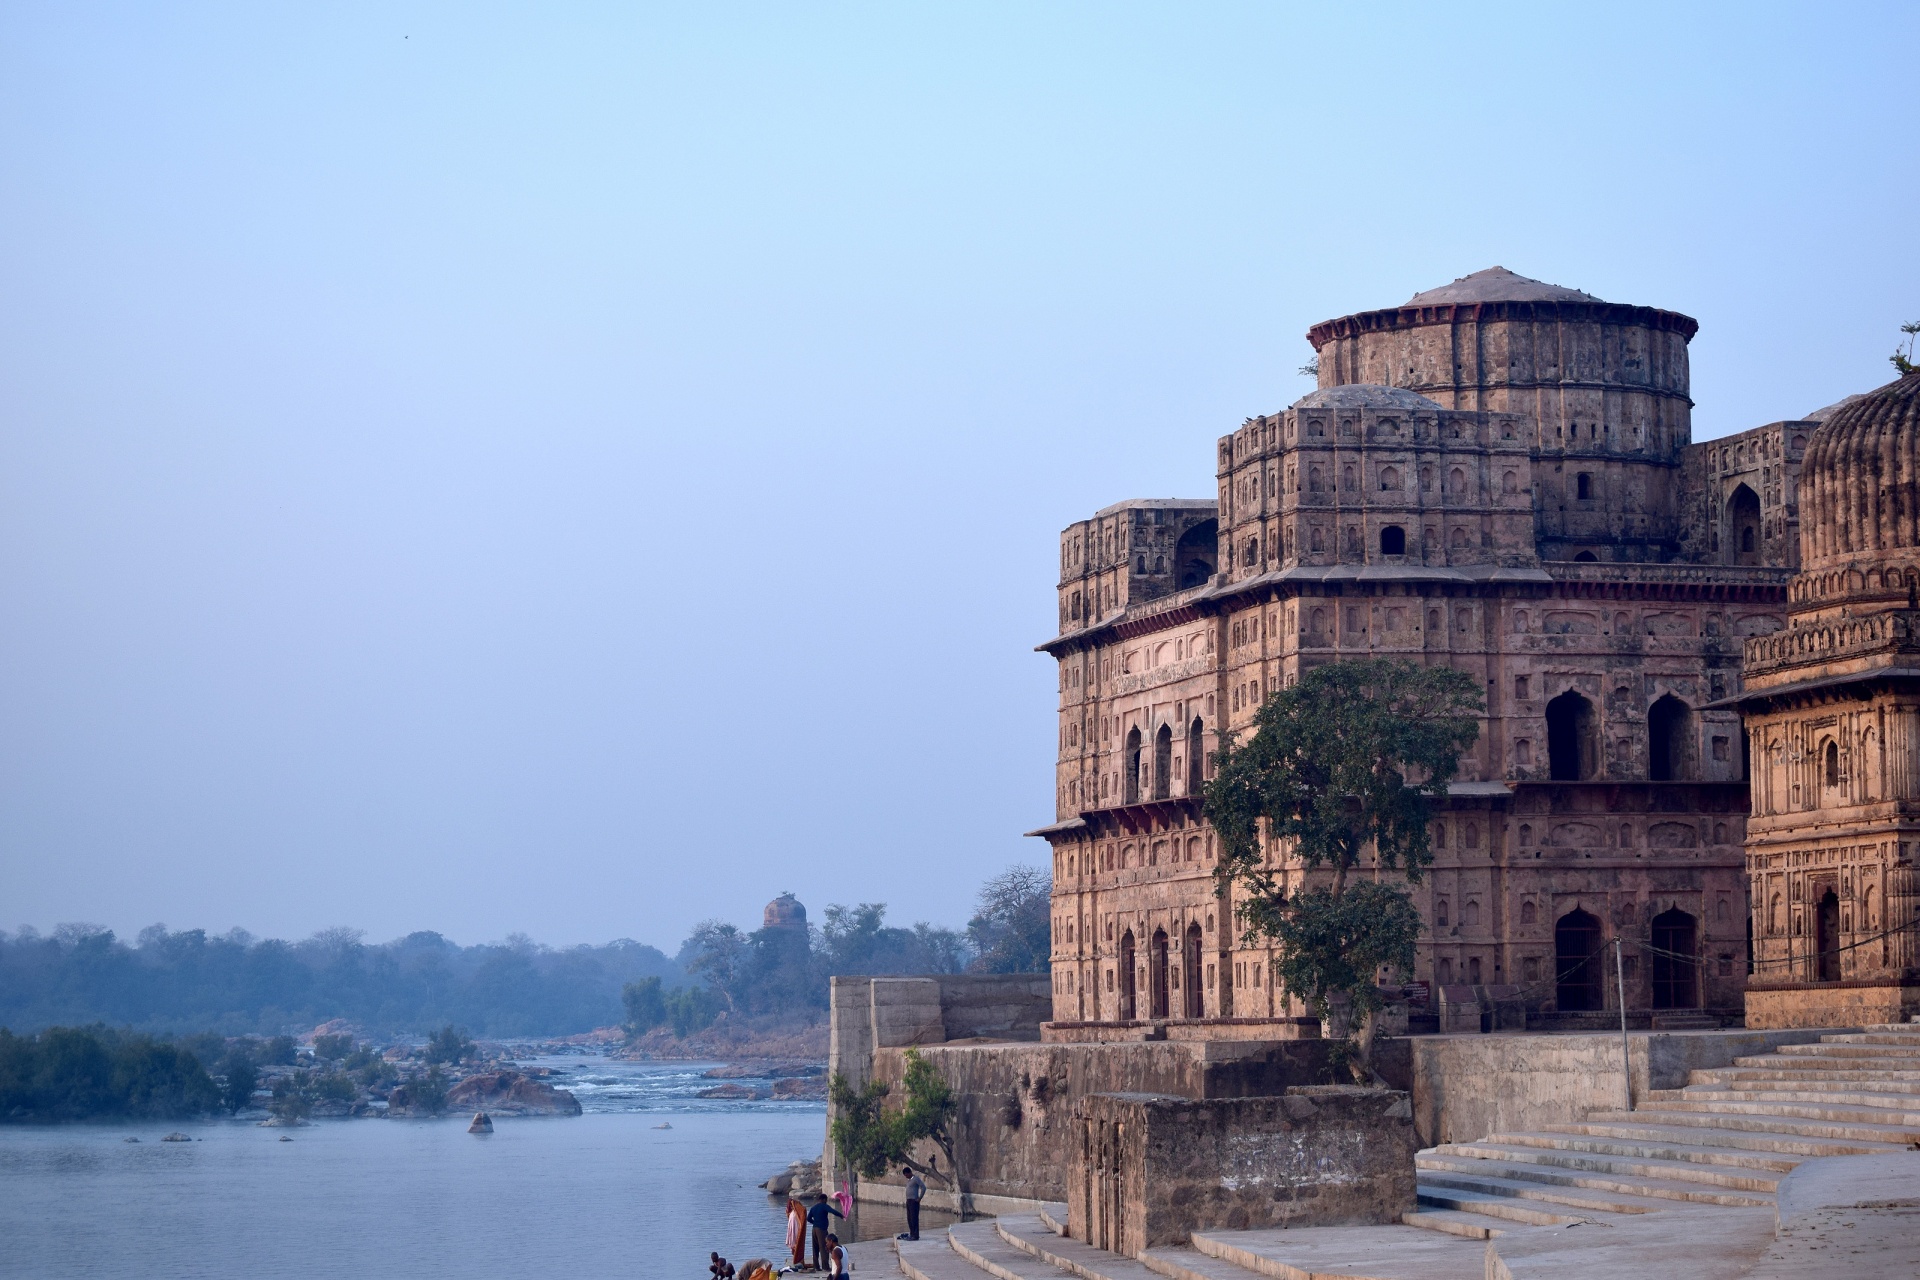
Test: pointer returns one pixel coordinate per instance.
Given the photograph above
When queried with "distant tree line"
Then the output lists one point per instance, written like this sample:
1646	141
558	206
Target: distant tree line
780	974
75	1073
235	984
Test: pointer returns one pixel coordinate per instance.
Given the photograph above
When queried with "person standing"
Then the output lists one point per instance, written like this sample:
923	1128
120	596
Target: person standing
817	1219
797	1232
916	1191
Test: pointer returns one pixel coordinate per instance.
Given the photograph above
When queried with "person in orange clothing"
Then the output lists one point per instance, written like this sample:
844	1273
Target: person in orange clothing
797	1232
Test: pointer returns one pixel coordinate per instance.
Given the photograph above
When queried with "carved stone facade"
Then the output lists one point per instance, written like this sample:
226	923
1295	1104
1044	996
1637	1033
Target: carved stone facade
1496	476
1833	710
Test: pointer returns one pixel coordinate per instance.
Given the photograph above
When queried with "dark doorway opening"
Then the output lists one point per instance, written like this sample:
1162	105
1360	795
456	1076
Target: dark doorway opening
1673	984
1196	554
1668	740
1126	976
1576	945
1826	935
1196	756
1194	1007
1157	957
1162	762
1571	753
1743	527
1131	781
1393	541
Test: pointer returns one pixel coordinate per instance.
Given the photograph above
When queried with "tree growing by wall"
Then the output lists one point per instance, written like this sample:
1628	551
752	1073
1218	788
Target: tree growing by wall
862	1132
1344	764
928	1116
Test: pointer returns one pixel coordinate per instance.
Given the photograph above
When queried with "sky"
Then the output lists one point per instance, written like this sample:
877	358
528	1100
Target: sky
582	469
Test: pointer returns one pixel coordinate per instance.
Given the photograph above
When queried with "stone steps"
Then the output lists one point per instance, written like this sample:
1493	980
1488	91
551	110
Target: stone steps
982	1244
1655	1168
1680	1151
1468	1226
1501	1208
1027	1233
1902	1053
1349	1253
1721	1137
1594	1190
1807	1104
1822	1074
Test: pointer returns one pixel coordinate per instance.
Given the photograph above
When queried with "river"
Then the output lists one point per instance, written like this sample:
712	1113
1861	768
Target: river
614	1192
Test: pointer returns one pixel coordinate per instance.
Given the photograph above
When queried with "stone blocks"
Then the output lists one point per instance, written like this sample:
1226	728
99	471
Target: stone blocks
1149	1169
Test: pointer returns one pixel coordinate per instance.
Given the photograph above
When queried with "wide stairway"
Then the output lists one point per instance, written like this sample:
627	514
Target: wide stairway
1724	1140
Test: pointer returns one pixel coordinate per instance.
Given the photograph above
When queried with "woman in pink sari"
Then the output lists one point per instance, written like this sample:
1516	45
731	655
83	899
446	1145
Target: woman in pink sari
797	1231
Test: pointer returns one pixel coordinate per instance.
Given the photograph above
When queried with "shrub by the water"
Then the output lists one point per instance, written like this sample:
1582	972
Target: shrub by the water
80	1073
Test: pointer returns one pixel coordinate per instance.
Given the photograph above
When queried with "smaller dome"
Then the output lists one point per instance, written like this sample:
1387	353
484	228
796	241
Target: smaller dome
784	912
1361	395
1497	284
1860	490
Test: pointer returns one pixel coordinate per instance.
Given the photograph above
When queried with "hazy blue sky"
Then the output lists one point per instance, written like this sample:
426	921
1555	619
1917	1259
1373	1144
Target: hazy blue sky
581	469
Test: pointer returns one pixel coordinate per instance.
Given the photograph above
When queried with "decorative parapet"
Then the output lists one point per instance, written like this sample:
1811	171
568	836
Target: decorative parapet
1893	632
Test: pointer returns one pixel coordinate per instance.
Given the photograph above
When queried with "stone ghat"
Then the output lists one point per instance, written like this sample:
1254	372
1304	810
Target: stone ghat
1795	1161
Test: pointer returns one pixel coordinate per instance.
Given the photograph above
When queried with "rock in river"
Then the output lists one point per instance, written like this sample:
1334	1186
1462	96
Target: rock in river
481	1123
512	1093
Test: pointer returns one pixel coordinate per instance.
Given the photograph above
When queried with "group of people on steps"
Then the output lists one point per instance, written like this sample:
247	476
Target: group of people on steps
806	1223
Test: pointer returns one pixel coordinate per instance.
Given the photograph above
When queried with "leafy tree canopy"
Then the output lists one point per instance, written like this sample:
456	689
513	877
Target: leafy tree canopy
1346	762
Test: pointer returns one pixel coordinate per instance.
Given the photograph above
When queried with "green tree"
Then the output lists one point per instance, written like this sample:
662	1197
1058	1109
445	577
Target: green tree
332	1048
292	1097
646	1006
1347	761
1012	925
1902	356
865	1136
239	1078
928	1115
429	1092
449	1044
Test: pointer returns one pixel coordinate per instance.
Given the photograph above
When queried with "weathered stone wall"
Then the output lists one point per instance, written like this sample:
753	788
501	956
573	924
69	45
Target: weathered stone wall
1016	1101
869	1014
1148	1170
1468	1087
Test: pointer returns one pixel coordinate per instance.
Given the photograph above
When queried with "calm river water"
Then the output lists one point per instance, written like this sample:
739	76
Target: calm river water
606	1194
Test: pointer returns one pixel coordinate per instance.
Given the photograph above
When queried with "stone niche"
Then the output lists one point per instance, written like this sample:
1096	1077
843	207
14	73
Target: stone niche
1151	1169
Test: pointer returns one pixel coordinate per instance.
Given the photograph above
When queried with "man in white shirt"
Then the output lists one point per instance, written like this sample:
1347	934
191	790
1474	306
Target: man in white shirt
916	1191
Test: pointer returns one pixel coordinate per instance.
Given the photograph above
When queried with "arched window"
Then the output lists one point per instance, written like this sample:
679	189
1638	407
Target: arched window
1393	541
1583	485
1742	526
1389	478
1346	478
1527	913
1131	777
1826	935
1669	734
1458	540
1162	762
1831	767
1457	481
1196	554
1509	482
1587	557
1572	750
1127	987
1314	483
1317	542
1196	755
1440	913
1576	941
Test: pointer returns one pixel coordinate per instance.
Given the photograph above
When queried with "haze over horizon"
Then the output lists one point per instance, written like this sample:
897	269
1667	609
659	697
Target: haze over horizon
580	473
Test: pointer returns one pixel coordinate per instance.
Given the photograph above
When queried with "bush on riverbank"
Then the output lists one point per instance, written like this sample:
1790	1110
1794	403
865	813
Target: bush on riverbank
84	1073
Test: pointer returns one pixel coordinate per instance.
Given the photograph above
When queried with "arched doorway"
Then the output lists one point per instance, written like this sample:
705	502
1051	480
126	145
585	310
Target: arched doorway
1826	933
1742	527
1131	781
1126	976
1196	554
1196	756
1194	1007
1669	725
1576	944
1572	753
1162	762
1158	960
1673	984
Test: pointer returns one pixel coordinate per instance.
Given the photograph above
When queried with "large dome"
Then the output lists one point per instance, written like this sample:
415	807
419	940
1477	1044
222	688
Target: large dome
1362	395
1497	284
1860	504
